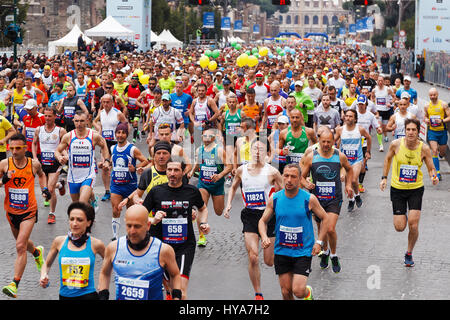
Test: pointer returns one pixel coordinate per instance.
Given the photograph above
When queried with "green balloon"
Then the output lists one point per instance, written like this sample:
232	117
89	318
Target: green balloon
281	53
256	54
248	52
238	47
254	50
233	44
216	54
208	53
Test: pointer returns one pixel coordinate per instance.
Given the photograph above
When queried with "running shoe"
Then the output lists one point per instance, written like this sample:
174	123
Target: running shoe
259	296
439	176
134	140
143	133
51	219
381	148
351	206
94	204
361	188
62	187
335	265
324	258
310	295
168	296
39	259
386	139
358	201
46	203
228	181
409	262
201	241
10	290
106	196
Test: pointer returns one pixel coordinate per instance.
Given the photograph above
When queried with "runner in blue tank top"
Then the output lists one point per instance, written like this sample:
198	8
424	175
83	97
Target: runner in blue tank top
77	253
138	261
294	234
325	165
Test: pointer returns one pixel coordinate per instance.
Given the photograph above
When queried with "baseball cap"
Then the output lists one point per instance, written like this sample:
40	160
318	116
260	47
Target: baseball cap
226	81
362	99
166	96
298	83
407	78
47	68
37	75
31	103
283	119
157	90
259	74
240	72
405	95
219	73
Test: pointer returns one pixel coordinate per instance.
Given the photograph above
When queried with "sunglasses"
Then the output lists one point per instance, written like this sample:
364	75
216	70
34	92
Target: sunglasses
209	135
17	148
109	88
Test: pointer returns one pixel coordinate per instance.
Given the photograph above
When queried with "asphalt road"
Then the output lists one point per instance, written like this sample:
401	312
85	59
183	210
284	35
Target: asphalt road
371	251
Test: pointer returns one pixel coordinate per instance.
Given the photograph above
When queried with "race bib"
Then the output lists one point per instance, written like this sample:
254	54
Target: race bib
81	160
206	173
434	121
75	272
47	158
30	133
200	117
69	111
132	103
381	101
271	120
408	173
120	175
174	230
350	152
325	190
294	157
291	237
108	134
132	289
255	199
233	128
18	198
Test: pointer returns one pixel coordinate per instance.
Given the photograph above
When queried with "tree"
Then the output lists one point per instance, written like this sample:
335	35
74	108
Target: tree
21	19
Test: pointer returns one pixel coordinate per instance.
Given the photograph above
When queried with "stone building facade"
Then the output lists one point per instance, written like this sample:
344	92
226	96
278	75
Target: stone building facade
49	20
311	16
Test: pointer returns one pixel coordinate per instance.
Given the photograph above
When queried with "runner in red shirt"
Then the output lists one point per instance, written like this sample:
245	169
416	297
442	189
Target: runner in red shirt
31	121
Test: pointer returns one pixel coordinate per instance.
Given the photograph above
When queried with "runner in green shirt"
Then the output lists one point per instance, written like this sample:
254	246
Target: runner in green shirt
304	101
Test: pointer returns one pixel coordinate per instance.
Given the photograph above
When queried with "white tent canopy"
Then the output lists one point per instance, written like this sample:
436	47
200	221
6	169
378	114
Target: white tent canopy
109	27
70	40
169	40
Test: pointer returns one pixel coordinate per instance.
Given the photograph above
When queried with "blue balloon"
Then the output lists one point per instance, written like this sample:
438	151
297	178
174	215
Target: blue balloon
270	55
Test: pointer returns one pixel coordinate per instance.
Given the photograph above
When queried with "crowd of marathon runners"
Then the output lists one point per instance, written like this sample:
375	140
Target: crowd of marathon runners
294	134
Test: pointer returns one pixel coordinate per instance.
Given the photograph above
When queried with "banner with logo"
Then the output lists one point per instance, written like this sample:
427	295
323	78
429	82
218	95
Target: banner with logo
342	31
352	29
238	26
370	23
226	23
208	20
433	25
135	15
256	28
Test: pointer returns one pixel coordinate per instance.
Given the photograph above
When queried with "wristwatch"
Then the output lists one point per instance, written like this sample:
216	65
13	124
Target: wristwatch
319	242
383	177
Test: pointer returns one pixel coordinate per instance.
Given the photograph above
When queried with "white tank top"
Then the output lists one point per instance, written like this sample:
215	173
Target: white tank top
48	142
109	123
399	131
256	189
381	98
81	158
201	111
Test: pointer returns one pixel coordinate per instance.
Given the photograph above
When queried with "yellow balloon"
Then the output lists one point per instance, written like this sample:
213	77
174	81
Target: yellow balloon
263	51
252	61
243	60
212	65
204	61
139	72
144	79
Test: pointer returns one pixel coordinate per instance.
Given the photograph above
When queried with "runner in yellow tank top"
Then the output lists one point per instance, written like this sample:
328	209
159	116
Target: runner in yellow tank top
407	156
437	116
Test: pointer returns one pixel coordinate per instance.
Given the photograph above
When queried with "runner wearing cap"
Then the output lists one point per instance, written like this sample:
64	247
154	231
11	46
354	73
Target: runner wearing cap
166	114
31	121
131	95
407	87
304	102
277	160
382	97
261	89
273	106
